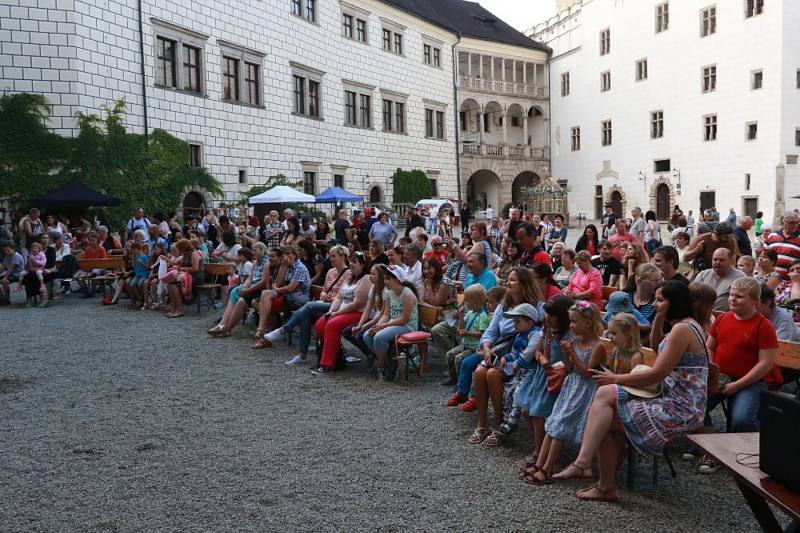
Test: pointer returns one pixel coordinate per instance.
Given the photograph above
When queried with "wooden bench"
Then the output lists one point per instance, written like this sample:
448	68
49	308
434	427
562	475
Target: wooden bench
112	265
217	273
788	355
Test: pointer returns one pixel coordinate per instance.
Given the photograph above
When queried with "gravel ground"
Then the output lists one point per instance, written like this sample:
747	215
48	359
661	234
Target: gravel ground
146	424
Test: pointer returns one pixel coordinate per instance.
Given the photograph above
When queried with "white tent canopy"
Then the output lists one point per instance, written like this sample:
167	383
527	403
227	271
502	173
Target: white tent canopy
282	194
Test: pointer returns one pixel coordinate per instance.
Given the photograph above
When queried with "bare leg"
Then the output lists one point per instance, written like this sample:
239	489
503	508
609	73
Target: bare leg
537	424
554	451
264	309
494	380
236	315
481	394
598	427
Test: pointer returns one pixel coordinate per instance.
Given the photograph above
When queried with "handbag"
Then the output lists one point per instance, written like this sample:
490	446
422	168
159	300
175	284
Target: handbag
555	375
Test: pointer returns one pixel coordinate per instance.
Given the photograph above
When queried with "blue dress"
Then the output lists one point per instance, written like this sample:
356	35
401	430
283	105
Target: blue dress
568	419
531	393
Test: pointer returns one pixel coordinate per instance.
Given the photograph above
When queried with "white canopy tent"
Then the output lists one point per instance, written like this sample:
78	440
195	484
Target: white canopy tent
282	194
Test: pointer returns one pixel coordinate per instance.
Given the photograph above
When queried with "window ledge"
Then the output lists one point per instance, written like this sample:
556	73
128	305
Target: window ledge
302	115
432	65
301	17
353	39
183	91
393	132
436	139
245	104
356	126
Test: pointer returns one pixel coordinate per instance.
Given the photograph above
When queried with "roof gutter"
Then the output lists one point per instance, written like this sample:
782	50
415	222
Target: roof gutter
142	71
455	114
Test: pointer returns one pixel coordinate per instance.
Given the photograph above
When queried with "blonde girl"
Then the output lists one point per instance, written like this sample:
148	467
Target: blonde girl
623	330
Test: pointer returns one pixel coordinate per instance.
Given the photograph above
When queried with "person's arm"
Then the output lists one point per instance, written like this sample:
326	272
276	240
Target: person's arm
657	331
637	359
597	357
766	360
696	248
440	296
491	335
595	286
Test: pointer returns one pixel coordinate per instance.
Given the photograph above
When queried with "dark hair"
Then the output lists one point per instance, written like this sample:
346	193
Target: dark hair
771	254
294	229
223	219
605	244
760	214
423	236
669	253
516	245
558	307
680	300
362	258
559	215
306	220
228	238
528	228
723	228
583	241
247	253
767	295
543	270
277	250
437	268
650	215
309	249
684	235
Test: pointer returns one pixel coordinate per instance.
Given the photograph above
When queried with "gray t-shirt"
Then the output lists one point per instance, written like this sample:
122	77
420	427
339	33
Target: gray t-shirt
638	227
721	285
785	328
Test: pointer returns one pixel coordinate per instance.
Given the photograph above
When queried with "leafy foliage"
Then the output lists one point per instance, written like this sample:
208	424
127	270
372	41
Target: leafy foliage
410	186
151	172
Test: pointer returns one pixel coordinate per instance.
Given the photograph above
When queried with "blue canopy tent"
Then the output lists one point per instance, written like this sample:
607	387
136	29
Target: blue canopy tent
337	194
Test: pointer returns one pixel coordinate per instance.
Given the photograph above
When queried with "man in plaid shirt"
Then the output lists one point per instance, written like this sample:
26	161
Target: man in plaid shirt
495	233
271	235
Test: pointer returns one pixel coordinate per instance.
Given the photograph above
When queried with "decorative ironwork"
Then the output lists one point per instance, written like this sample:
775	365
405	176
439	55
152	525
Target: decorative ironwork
547	197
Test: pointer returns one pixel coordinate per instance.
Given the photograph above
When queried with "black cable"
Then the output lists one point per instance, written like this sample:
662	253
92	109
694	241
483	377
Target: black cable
750	460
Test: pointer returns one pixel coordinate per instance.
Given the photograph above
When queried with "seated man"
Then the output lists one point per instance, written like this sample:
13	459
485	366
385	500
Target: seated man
479	272
11	271
608	265
437	251
720	276
781	318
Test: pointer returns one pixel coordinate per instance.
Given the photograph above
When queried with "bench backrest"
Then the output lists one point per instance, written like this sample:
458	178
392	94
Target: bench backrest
429	315
648	354
788	355
214	269
109	263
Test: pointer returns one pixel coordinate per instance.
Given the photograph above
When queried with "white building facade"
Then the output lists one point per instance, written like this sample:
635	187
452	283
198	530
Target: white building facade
691	102
325	91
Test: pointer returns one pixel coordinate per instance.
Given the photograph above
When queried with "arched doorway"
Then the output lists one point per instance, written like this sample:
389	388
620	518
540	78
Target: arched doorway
662	202
525	179
470	120
536	130
375	195
193	204
616	203
515	115
483	188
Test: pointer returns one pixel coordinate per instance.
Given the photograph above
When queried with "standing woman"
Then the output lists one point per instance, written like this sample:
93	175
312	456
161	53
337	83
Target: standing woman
383	230
190	263
400	315
589	241
490	377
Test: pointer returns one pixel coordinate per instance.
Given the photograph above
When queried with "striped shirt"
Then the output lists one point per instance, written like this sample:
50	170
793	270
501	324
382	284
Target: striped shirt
298	272
787	248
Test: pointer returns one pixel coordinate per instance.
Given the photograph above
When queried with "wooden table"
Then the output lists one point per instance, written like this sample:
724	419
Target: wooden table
758	489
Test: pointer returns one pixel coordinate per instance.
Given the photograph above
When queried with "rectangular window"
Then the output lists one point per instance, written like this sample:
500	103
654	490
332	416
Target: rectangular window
440	124
709	78
656	124
710	128
394	116
252	83
576	138
310	182
751	131
565	84
313	99
429	123
400	117
606	128
191	69
387	40
756	79
662	17
387	115
311	10
338	180
299	106
195	155
434	187
437	57
297	8
662	165
361	30
366	111
605	41
230	78
605	81
427	56
165	62
797	137
242	176
747	182
398	43
708	21
753	8
797	76
350	108
347	25
641	70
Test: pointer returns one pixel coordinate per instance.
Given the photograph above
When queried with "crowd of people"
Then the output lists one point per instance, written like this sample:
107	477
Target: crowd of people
521	315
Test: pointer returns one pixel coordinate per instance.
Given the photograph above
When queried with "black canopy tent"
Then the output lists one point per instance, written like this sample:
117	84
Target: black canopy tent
75	195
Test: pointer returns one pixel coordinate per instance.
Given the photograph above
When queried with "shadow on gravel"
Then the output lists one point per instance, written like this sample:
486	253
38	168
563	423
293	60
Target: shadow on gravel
9	384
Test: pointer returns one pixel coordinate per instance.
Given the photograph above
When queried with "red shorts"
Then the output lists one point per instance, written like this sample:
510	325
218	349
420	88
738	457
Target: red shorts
277	304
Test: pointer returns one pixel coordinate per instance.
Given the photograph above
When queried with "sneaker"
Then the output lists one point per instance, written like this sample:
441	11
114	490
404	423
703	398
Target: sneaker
707	466
274	335
296	360
321	371
469	405
688	456
456	399
448	382
352	359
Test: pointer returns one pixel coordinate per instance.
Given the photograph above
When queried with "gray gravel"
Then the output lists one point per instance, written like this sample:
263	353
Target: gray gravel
115	419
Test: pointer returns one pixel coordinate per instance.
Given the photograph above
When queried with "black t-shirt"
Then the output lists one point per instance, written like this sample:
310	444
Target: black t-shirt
339	228
743	240
679	277
607	268
513	226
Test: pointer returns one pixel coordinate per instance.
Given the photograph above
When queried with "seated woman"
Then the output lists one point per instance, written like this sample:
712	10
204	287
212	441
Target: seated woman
377	254
189	263
647	279
543	276
586	283
292	236
567	268
400	315
489	380
304	318
315	263
345	311
631	260
766	273
787	293
509	262
227	249
243	295
435	292
649	423
377	295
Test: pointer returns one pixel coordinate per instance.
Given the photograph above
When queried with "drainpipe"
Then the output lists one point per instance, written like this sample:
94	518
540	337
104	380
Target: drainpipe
142	72
455	112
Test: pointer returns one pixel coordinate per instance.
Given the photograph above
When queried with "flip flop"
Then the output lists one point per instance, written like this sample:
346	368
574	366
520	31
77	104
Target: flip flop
604	495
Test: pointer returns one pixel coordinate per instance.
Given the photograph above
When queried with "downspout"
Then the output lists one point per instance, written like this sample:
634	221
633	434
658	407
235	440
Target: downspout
142	71
456	113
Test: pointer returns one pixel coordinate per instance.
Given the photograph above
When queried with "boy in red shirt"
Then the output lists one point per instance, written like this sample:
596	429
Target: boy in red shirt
744	345
92	251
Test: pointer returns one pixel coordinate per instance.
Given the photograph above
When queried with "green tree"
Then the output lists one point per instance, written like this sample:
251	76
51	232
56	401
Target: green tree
410	186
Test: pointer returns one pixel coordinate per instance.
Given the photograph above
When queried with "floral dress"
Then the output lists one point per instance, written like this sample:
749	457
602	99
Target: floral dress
651	423
783	295
568	418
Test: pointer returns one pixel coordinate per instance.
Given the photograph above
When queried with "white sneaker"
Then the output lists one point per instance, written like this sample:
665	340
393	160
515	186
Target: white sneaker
352	359
274	335
707	466
296	360
688	456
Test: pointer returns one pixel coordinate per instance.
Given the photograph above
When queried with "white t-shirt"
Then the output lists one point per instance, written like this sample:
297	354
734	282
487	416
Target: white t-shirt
414	275
245	269
232	251
489	213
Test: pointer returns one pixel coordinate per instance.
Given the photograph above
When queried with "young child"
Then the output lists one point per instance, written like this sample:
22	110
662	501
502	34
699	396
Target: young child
233	281
494	296
35	263
623	330
141	270
471	325
531	394
746	264
622	302
565	424
244	258
154	289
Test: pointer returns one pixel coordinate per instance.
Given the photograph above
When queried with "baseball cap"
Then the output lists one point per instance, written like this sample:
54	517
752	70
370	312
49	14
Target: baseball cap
526	310
396	272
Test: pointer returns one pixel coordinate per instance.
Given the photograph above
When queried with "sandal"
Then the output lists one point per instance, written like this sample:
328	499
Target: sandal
259	334
581	473
540	477
215	329
525	472
173	315
260	344
495	438
220	333
528	461
478	435
603	497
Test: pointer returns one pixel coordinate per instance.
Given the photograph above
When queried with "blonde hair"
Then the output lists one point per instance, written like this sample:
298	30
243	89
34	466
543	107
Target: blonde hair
627	322
590	313
475	293
752	287
231	264
749	260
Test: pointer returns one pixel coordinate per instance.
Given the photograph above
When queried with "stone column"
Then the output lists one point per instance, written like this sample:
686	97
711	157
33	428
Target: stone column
780	191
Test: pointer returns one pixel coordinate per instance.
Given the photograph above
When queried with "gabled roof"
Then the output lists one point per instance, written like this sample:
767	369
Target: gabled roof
468	18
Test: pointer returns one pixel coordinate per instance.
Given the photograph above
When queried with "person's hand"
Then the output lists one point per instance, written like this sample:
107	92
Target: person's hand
460	332
568	292
516	368
662	308
603	377
729	389
356	329
487	357
566	346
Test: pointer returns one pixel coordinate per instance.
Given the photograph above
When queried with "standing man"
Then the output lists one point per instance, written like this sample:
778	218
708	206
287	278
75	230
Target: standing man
139	221
742	238
620	236
514	222
732	217
413	220
465	214
341	227
495	234
532	253
690	223
608	221
489	212
720	276
638	226
786	242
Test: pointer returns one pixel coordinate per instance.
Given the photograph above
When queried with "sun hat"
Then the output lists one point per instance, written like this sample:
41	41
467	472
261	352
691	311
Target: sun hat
645	391
619	302
525	310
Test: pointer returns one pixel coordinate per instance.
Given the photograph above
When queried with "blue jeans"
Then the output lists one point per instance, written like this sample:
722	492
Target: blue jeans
304	319
432	225
468	366
383	339
742	407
